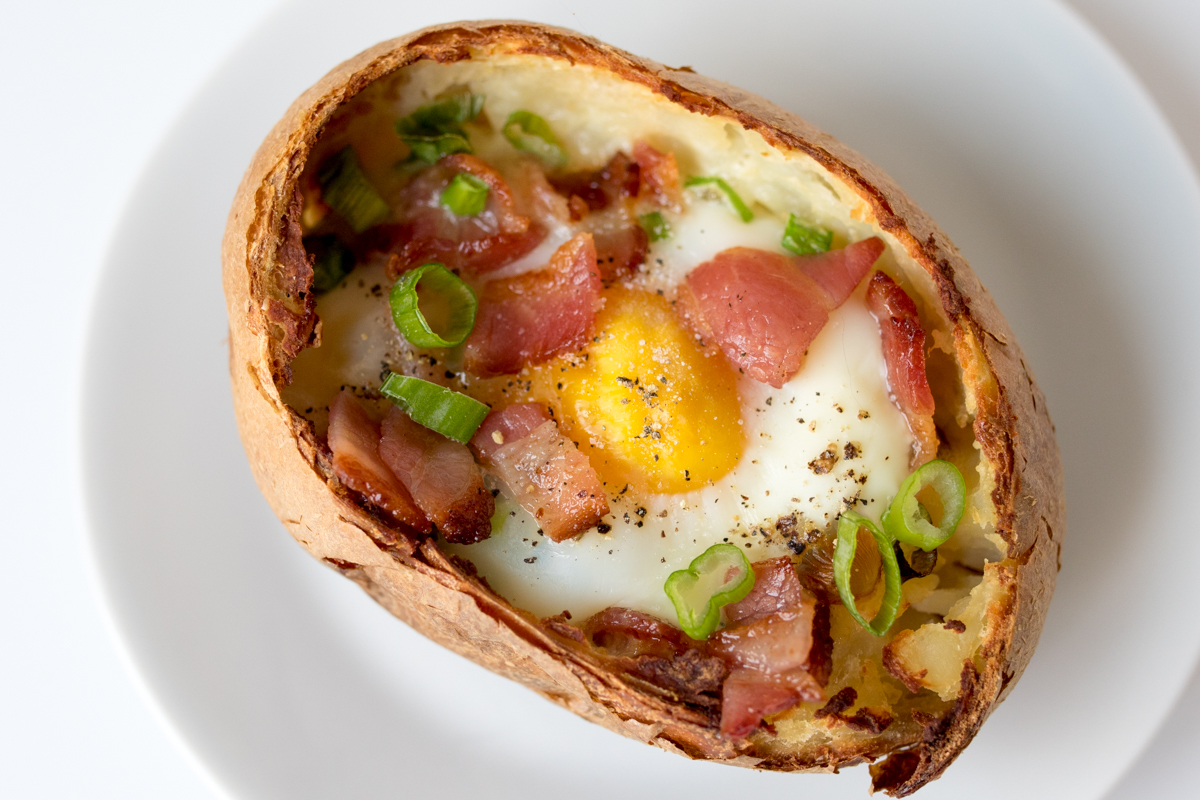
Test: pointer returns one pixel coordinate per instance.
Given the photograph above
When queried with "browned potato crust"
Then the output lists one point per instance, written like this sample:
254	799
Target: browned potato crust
272	318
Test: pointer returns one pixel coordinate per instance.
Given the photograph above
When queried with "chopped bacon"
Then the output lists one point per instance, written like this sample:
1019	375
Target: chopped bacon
839	271
430	232
624	632
776	588
535	196
659	175
603	202
441	475
548	475
769	649
764	309
621	242
747	697
904	353
354	440
533	317
615	181
504	427
773	645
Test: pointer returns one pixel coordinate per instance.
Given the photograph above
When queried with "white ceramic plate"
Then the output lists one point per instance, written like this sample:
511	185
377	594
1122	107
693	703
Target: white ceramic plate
1010	123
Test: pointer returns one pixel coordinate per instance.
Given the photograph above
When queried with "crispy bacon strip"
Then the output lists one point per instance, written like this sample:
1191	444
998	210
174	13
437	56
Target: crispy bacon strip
441	475
429	232
904	353
548	475
764	309
533	317
354	440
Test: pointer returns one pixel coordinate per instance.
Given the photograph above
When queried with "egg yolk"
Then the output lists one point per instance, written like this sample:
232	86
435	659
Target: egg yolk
649	406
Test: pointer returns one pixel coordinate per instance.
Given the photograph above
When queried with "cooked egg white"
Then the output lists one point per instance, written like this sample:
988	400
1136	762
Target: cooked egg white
831	437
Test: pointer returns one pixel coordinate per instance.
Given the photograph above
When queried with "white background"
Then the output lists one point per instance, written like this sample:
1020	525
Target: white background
90	89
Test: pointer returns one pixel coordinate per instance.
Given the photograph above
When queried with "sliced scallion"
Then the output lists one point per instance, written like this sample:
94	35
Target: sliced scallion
332	261
655	226
908	518
346	190
450	413
843	561
530	133
717	577
466	195
456	298
435	130
805	239
740	207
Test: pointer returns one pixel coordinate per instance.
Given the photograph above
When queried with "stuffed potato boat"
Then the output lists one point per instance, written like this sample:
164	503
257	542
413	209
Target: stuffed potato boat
636	389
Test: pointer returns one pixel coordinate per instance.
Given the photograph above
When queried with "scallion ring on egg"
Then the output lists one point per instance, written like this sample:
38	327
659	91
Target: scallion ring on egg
446	288
717	577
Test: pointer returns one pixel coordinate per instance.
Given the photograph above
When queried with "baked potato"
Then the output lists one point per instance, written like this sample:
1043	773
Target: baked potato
577	202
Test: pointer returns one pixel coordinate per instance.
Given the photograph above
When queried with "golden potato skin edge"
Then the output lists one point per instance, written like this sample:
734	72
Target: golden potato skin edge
445	602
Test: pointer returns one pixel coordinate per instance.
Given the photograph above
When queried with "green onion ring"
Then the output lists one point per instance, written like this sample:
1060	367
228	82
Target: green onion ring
740	207
805	240
530	133
450	413
466	195
843	560
700	591
406	310
906	519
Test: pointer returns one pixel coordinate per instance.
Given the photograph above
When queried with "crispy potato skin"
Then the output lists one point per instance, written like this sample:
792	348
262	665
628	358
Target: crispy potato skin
442	598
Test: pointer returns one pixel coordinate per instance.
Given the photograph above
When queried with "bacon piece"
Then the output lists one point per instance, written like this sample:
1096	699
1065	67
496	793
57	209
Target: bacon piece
507	426
548	475
768	649
839	271
533	317
621	242
441	475
658	175
904	353
764	309
776	588
615	181
773	645
354	440
624	632
763	312
536	197
430	232
603	202
748	696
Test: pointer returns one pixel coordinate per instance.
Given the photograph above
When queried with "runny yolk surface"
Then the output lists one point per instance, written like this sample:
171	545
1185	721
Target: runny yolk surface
647	404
